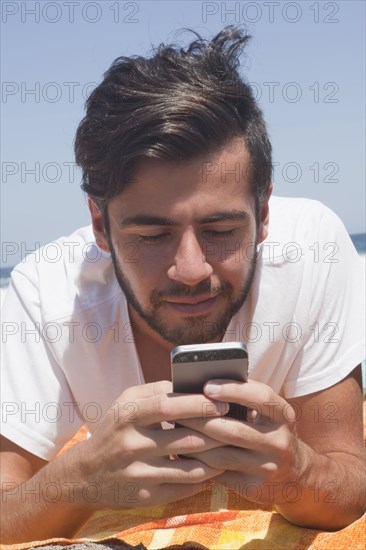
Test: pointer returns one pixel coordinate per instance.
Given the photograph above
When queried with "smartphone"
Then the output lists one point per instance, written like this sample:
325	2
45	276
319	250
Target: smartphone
193	365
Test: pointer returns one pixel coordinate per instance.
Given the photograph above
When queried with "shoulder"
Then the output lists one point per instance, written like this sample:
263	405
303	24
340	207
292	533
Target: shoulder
68	274
306	226
299	216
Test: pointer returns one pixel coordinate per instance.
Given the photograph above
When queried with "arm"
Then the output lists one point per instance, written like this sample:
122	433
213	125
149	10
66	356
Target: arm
330	432
124	464
305	456
28	484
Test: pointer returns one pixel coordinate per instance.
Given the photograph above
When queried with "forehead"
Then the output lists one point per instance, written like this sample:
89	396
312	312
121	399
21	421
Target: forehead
220	178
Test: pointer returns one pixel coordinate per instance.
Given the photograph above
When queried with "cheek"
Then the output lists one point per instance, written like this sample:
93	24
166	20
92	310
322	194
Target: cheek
144	272
233	257
248	252
235	270
128	254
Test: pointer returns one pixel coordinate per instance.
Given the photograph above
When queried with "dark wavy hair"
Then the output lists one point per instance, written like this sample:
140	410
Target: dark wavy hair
176	105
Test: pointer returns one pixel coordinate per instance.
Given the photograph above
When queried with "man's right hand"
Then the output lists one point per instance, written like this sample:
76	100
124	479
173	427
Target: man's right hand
128	460
126	463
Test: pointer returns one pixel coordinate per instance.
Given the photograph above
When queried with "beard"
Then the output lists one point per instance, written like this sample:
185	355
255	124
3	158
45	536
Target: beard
193	330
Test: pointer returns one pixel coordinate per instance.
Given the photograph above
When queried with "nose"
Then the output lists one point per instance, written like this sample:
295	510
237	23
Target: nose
190	266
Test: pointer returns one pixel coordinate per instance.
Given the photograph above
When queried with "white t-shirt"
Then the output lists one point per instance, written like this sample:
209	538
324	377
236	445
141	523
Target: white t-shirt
68	345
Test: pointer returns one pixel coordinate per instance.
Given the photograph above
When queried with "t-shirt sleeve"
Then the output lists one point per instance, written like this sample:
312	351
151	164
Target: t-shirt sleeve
38	409
333	341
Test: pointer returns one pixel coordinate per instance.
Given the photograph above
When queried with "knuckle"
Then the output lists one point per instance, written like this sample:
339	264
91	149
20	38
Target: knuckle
282	444
268	395
191	443
238	433
164	408
129	394
144	496
271	469
133	473
198	474
161	386
127	448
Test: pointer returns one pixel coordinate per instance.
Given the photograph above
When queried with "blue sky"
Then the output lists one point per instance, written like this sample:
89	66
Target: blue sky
306	63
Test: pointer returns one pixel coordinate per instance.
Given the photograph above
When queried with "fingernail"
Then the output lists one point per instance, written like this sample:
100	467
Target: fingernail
252	415
222	408
212	387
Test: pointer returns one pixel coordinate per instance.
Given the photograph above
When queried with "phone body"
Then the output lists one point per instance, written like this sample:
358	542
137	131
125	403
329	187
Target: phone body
193	365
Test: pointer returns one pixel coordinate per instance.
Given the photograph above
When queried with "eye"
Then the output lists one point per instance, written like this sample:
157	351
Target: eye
151	239
220	234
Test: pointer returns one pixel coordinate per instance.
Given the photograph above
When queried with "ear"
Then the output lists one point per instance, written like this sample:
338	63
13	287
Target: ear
264	216
98	226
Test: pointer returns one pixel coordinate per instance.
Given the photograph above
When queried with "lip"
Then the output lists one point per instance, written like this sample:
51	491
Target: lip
191	306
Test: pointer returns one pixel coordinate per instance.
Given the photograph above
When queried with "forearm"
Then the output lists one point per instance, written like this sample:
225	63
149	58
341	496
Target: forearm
329	493
48	505
122	465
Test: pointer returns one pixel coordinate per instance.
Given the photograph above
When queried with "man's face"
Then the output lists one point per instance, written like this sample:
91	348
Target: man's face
183	241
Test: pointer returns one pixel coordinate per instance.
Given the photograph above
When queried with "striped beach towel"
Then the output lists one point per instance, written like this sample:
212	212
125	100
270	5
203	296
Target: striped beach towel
215	519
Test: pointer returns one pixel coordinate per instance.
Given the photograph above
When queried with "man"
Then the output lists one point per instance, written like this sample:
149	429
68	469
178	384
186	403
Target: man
186	246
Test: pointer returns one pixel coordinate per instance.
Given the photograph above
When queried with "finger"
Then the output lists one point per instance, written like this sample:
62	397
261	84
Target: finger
232	432
174	407
170	442
170	492
235	459
184	440
144	391
164	470
254	395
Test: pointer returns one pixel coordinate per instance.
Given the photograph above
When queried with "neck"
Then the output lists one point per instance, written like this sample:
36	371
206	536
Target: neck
152	349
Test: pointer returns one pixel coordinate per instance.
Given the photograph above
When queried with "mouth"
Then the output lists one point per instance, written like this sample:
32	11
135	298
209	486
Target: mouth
191	306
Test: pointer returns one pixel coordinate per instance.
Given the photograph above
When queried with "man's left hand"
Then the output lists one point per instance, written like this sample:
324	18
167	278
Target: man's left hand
263	457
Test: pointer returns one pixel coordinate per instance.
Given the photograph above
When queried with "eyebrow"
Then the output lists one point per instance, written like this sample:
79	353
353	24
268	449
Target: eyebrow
145	219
